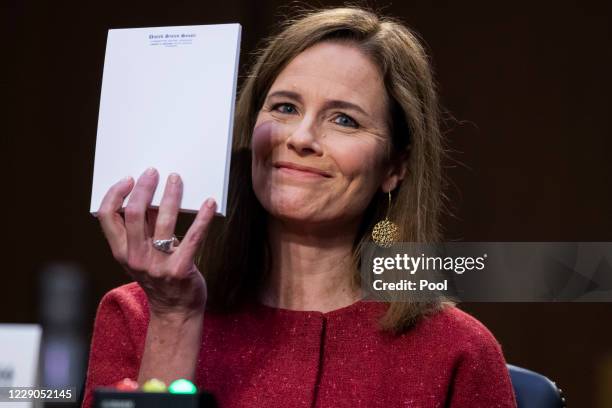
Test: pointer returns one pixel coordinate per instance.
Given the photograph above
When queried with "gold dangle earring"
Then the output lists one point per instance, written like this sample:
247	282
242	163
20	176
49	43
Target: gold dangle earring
385	232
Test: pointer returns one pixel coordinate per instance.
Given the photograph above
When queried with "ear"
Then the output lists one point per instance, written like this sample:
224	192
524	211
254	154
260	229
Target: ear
395	173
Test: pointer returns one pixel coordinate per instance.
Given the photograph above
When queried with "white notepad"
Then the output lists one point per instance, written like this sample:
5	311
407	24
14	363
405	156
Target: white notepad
167	101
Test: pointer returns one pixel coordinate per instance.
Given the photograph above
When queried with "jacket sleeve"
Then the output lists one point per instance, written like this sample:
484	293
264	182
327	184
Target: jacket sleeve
481	377
117	340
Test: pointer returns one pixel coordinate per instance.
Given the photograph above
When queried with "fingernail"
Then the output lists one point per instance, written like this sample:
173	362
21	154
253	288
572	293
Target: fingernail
173	178
210	203
126	179
151	171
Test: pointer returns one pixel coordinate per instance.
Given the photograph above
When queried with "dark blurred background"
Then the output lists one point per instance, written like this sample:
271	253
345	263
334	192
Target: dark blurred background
527	91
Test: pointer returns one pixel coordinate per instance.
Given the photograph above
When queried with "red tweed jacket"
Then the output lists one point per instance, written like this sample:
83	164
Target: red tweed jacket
267	357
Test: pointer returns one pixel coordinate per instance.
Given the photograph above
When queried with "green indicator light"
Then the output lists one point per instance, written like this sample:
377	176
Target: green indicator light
182	386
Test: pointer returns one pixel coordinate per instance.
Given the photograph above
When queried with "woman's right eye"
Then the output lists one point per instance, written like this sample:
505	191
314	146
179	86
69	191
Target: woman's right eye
285	108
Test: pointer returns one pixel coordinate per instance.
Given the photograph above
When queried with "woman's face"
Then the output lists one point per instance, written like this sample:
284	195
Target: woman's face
320	138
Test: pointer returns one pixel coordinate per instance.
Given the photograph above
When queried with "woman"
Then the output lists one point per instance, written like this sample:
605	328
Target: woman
338	111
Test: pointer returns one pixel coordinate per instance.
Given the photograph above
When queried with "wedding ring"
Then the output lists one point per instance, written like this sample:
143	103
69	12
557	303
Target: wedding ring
165	245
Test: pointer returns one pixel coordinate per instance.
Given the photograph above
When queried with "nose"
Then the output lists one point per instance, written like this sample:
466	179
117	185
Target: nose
304	139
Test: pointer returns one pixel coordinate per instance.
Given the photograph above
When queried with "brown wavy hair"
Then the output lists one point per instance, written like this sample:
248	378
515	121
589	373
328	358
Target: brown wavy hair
235	258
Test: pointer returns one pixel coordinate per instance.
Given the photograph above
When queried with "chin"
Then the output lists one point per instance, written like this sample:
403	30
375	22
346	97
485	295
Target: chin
292	204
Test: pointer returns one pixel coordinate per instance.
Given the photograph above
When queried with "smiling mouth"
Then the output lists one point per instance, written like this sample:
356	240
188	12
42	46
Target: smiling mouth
296	169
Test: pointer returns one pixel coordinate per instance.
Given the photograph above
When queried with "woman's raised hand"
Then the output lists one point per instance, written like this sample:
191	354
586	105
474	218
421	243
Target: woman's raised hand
172	282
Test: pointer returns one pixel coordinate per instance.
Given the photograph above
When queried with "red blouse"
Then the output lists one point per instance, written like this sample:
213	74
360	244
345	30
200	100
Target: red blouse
267	357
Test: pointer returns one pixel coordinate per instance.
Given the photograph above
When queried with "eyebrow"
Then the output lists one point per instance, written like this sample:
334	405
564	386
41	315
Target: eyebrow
330	104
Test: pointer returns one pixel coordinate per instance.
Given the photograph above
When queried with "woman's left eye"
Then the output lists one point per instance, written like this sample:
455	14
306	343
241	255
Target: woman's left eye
345	120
